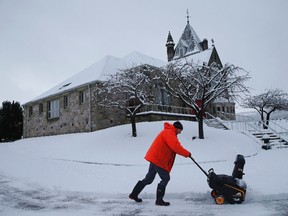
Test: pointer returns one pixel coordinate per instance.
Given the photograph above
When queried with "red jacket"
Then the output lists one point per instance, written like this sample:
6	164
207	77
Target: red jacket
164	148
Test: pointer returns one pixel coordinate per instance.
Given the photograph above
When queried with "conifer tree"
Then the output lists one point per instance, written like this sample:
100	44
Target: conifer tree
11	121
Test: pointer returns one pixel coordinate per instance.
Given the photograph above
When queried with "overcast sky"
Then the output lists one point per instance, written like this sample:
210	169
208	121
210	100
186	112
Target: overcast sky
44	42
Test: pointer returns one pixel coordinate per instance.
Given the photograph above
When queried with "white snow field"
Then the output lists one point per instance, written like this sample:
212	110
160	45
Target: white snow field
93	174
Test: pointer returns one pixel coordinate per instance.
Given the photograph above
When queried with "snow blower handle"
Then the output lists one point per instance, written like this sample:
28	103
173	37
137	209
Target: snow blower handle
199	166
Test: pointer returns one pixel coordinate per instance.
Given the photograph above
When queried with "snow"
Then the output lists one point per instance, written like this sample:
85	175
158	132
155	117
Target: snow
93	173
100	71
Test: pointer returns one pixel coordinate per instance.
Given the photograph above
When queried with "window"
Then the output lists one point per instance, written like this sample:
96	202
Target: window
214	110
53	109
162	95
30	111
81	97
40	108
181	53
66	101
227	109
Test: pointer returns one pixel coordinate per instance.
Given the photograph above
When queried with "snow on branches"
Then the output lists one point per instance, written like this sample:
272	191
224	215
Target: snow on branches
194	81
266	103
199	84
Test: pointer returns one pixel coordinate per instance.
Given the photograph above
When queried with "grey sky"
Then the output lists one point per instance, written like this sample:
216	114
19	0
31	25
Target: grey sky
44	42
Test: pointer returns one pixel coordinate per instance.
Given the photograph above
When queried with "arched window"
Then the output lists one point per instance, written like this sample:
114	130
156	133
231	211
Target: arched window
162	97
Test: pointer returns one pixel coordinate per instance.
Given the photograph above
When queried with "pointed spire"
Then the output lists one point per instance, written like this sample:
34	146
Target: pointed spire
187	16
170	39
170	47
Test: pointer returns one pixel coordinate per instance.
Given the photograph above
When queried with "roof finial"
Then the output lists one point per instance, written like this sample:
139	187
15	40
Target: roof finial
188	16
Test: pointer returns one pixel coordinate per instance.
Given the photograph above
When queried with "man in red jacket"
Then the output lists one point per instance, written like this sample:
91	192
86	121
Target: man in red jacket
161	156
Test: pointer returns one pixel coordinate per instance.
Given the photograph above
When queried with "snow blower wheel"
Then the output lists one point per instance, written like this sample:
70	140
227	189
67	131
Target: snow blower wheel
213	193
219	199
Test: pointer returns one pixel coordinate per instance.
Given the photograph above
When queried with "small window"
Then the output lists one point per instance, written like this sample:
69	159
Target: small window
227	109
53	109
30	111
181	53
66	101
214	110
81	97
40	108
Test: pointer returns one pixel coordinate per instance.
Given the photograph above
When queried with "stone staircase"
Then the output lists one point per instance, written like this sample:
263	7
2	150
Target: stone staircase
270	139
216	123
267	137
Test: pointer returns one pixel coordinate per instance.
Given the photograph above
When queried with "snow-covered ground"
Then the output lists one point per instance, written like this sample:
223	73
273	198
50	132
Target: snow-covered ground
93	173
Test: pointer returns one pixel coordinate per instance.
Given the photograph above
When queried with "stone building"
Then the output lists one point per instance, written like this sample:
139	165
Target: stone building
69	106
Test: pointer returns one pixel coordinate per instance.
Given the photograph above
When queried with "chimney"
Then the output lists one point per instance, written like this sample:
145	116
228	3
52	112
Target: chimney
204	44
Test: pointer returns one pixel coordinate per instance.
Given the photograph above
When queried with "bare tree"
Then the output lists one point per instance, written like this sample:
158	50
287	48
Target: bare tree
200	82
266	103
128	89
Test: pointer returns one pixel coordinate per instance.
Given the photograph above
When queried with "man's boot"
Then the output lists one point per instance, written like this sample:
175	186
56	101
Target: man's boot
159	196
136	191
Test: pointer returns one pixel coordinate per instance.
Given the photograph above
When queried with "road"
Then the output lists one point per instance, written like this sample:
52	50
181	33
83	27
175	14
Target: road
22	198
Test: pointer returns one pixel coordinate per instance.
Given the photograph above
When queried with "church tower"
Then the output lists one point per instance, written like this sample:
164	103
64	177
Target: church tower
170	47
191	47
188	44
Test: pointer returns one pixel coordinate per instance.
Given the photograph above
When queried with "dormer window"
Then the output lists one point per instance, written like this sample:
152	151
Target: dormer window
64	86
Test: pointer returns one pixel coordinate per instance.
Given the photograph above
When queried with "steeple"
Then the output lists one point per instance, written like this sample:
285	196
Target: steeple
189	43
170	47
187	16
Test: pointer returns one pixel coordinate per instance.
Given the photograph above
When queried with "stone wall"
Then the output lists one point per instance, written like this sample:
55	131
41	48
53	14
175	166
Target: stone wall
72	118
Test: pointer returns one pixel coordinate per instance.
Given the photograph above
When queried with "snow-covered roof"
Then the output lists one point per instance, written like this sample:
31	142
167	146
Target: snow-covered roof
198	58
201	57
100	70
189	43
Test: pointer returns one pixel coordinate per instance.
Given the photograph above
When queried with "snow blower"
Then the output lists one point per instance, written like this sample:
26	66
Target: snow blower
227	188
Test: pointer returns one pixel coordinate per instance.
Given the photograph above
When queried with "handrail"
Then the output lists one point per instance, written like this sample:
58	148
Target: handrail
164	108
257	126
210	115
279	126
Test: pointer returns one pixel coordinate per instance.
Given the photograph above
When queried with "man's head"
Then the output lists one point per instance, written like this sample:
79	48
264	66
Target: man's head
178	126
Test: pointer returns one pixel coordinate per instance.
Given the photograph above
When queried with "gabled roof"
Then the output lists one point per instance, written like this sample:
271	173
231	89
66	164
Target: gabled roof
100	70
188	44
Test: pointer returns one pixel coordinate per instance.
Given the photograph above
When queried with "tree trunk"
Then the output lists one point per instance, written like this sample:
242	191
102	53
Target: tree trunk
200	126
133	123
267	120
263	120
